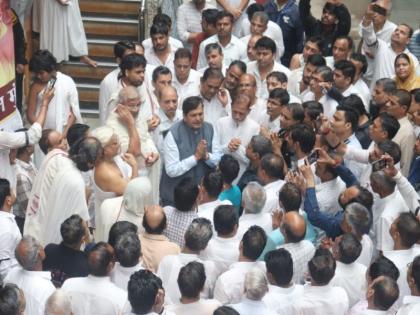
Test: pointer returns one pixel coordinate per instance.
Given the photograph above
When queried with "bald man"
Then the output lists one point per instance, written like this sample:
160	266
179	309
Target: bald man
293	228
154	245
250	50
248	87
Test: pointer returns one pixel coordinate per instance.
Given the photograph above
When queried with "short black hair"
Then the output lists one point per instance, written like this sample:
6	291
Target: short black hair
261	145
128	249
191	103
85	152
322	266
253	8
290	197
143	287
360	58
313	109
122	46
160	70
163	19
213	183
222	14
4	190
326	73
72	230
409	229
404	98
331	8
22	149
349	248
348	39
279	76
9	299
44	143
392	148
159	28
185	194
42	60
350	116
191	279
225	218
388	85
319	41
281	95
354	102
415	271
386	292
183	53
212	46
119	228
389	124
279	264
273	165
266	43
253	242
303	134
98	266
225	310
297	111
132	61
347	68
229	167
76	132
210	16
383	266
212	73
238	63
416	94
317	60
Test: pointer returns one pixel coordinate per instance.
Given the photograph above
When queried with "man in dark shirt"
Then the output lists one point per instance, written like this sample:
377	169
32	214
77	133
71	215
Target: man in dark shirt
66	260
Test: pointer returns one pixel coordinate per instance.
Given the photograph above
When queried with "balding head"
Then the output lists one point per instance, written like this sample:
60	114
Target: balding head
248	85
250	50
293	227
154	220
101	259
128	93
168	100
30	253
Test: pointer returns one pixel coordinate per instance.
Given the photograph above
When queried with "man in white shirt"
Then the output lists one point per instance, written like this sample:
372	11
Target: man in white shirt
266	52
411	303
197	237
185	80
360	63
386	209
253	201
162	53
229	286
342	47
223	248
381	295
96	294
349	274
269	118
29	277
215	99
9	231
384	53
293	228
319	296
270	174
128	255
208	200
405	230
233	48
188	20
233	133
283	292
191	280
161	78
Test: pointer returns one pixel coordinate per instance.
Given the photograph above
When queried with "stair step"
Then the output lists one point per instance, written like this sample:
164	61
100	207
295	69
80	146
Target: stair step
80	71
114	28
104	49
110	8
88	95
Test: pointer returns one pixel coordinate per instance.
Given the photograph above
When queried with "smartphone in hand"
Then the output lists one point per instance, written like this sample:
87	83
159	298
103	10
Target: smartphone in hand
378	165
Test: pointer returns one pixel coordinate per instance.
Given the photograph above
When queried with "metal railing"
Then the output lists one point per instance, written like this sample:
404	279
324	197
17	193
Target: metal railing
142	21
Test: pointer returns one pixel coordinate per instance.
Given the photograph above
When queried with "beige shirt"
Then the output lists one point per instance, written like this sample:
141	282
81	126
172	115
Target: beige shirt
154	248
406	139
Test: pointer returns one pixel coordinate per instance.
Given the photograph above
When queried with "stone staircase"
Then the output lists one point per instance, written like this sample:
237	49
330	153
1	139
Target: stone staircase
105	22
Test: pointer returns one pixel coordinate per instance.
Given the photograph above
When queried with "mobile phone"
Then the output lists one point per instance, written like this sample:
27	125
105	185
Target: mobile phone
51	82
282	133
313	157
378	165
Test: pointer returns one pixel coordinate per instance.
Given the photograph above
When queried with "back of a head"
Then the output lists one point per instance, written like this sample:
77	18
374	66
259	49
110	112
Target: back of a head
290	197
261	145
225	219
293	227
279	264
128	249
304	135
354	102
253	242
253	198
76	132
229	167
42	60
225	310
121	47
389	124
58	304
408	228
85	152
73	230
27	253
5	190
143	287
415	272
162	18
185	194
392	148
191	279
44	143
118	228
387	84
383	266
381	181
9	299
137	194
273	166
210	16
99	258
322	267
255	284
358	218
198	234
385	293
213	183
317	59
349	248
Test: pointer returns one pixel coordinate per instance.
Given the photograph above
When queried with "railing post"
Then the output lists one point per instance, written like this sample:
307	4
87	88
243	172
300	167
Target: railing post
142	21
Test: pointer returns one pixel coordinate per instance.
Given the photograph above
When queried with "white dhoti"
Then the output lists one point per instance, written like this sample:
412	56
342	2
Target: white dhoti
57	193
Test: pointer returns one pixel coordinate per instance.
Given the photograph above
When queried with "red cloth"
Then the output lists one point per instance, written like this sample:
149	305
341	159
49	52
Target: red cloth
199	38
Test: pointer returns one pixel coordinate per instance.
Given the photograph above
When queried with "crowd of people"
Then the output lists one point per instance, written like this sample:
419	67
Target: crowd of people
255	161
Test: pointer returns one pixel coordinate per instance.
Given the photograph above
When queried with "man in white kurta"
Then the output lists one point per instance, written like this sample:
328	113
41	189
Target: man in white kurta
57	193
233	133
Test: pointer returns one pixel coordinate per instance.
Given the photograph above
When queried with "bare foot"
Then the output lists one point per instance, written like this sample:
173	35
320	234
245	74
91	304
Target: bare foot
88	61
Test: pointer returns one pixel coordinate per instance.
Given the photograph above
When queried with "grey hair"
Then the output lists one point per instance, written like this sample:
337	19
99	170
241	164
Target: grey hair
386	182
58	304
256	284
261	145
198	234
261	15
253	197
103	134
31	253
358	218
127	93
137	195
